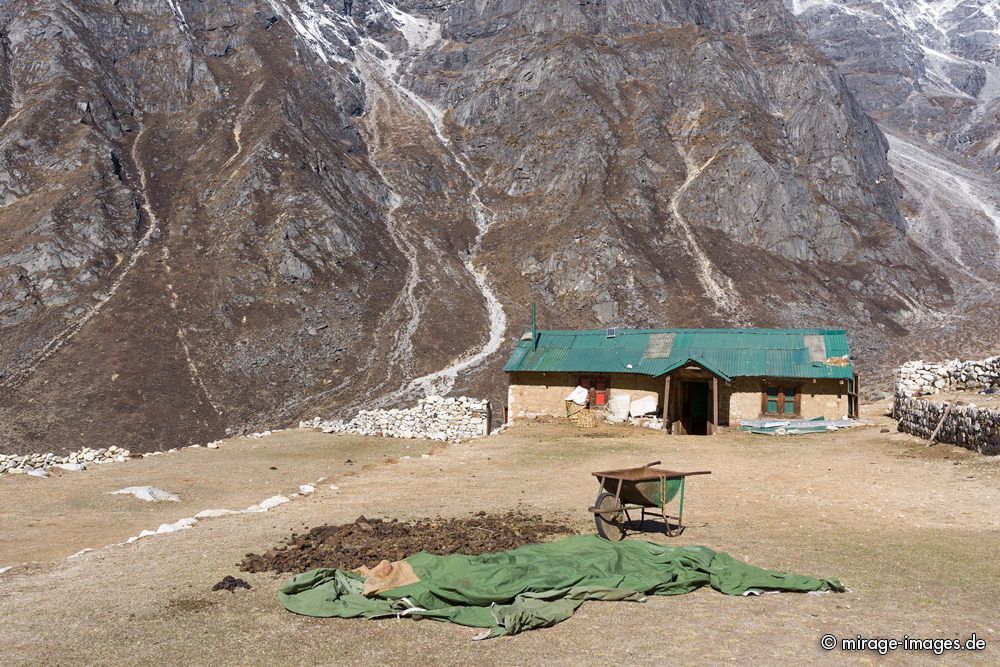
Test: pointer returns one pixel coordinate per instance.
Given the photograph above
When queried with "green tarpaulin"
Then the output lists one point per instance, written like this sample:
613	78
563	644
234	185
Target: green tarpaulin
537	585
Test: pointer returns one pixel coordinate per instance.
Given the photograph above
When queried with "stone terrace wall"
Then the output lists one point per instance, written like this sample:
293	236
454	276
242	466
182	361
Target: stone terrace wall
918	378
434	417
967	426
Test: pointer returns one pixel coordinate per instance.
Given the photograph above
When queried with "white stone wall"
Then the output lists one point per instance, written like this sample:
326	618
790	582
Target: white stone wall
434	418
968	426
23	463
917	378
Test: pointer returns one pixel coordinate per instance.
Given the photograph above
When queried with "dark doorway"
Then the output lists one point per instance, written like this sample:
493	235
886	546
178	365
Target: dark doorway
694	407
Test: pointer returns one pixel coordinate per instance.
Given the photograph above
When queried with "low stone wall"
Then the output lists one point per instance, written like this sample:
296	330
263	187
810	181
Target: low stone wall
434	417
79	460
967	426
918	378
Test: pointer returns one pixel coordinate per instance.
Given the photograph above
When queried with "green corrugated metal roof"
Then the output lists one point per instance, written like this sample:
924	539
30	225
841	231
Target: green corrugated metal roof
730	353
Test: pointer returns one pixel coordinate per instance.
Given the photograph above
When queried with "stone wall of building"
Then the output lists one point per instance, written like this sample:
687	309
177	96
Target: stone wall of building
533	394
825	398
967	426
919	378
434	417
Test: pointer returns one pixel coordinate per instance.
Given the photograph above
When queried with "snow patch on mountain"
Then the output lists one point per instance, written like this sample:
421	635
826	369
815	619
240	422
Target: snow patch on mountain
318	30
419	33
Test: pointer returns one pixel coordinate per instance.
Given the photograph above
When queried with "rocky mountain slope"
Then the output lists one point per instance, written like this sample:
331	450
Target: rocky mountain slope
929	72
217	215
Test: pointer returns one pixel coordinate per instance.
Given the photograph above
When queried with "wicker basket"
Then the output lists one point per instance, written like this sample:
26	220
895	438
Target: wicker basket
583	417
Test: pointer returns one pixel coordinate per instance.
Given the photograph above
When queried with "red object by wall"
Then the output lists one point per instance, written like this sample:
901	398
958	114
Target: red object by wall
600	393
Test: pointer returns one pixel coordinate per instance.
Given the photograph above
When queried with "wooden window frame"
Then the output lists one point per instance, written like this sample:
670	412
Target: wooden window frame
781	399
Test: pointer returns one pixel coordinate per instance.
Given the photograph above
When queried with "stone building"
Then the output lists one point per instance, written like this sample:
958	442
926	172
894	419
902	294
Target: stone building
706	378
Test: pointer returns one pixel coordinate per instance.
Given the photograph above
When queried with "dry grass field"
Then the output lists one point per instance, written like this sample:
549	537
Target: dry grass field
912	531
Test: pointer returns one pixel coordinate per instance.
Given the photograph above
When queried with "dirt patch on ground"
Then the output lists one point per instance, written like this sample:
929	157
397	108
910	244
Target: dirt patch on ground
368	541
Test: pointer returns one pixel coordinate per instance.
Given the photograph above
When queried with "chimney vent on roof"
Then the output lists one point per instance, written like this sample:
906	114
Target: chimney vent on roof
612	332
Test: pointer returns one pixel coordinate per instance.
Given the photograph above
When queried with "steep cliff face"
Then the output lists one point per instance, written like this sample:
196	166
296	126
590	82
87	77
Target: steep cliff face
928	67
191	224
683	150
217	215
929	72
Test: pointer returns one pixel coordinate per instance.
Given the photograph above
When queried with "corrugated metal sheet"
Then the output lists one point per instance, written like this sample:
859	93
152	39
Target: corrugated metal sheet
779	353
817	347
659	346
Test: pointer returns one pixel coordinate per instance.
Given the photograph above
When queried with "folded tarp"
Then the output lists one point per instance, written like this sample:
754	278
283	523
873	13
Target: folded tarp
538	585
795	426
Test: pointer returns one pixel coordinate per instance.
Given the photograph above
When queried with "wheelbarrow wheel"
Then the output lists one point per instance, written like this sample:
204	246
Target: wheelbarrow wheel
610	521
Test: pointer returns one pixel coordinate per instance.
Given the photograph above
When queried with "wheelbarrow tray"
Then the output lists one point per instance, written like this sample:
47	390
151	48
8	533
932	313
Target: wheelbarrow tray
645	487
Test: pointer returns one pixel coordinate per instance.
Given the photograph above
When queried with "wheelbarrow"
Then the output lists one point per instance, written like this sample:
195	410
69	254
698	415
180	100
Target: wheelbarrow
645	489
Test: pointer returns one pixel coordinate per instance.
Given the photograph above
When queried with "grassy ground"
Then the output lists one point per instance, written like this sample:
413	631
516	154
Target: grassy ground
912	531
49	519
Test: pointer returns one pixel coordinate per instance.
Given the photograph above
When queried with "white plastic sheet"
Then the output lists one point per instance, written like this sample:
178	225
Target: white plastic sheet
618	407
643	406
578	396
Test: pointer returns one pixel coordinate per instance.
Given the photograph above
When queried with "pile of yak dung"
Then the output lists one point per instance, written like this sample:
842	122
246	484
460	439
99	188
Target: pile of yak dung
368	541
230	583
